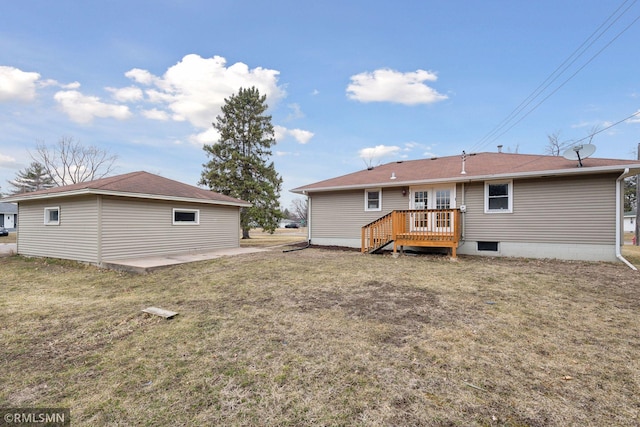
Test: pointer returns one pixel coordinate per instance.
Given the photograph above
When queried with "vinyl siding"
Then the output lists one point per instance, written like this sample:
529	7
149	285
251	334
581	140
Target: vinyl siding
133	228
547	210
341	214
75	237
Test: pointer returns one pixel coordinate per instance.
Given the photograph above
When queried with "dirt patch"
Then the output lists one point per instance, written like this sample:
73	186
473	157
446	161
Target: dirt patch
374	300
27	395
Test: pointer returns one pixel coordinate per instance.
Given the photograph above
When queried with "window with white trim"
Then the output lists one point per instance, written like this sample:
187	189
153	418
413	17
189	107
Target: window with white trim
52	215
373	199
186	216
498	197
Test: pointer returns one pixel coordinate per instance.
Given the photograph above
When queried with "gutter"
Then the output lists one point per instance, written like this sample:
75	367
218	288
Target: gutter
619	214
26	197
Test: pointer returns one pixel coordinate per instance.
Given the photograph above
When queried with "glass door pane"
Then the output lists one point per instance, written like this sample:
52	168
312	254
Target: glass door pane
419	220
443	202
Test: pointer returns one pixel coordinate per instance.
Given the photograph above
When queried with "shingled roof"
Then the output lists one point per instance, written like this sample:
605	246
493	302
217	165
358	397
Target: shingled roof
477	166
138	185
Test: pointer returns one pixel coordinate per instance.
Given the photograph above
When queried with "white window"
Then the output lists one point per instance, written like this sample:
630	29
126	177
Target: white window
373	199
498	197
52	215
186	216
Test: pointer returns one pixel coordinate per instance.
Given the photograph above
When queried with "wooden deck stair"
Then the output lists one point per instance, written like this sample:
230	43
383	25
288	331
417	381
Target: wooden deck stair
415	227
379	234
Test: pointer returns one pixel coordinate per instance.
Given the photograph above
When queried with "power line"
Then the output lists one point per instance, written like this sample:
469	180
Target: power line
550	79
637	113
507	122
562	84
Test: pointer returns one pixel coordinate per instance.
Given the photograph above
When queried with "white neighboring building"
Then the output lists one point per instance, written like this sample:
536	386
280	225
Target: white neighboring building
8	215
630	222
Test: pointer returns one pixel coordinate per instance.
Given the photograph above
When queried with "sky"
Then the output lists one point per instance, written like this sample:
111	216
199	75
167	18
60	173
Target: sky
349	84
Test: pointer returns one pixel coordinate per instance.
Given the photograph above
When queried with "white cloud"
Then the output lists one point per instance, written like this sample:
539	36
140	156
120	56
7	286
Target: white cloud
209	136
83	109
17	85
385	85
155	114
7	161
126	94
300	135
378	152
296	112
195	88
141	76
635	119
52	82
280	132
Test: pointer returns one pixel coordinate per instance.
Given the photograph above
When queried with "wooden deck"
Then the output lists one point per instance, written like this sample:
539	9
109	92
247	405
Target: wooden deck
424	228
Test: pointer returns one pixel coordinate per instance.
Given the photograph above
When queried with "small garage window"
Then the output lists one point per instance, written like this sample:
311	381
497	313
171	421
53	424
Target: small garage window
52	215
186	217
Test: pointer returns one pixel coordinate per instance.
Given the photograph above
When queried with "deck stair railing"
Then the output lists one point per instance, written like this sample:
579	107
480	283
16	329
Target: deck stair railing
377	234
413	227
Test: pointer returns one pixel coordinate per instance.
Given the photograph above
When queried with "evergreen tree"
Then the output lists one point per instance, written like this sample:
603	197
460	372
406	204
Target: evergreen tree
32	178
239	165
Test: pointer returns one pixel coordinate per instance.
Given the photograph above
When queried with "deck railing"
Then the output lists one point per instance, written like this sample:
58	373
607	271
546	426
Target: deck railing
413	227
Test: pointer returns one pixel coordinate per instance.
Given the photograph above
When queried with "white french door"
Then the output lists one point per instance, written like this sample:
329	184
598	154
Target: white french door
432	198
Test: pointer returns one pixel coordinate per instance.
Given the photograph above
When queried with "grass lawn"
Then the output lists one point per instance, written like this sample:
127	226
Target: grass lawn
632	254
281	236
11	238
318	337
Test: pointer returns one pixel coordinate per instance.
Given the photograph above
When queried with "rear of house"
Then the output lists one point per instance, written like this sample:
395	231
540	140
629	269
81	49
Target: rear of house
494	204
129	216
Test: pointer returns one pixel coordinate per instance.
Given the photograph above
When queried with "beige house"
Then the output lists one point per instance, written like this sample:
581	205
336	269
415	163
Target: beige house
126	216
496	204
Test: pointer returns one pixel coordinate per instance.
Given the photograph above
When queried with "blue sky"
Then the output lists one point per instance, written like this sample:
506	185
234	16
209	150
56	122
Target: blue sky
348	82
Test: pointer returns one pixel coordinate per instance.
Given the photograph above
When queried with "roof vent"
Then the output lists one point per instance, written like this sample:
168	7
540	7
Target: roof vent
500	148
464	161
393	175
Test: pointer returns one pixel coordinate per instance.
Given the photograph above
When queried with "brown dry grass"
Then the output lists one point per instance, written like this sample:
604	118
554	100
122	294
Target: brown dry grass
11	238
632	254
281	236
318	337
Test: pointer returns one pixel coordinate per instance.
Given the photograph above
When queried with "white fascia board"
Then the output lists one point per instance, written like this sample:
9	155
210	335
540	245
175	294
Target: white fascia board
633	170
90	191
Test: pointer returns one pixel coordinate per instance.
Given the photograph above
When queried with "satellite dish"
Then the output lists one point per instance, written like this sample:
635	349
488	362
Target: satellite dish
579	152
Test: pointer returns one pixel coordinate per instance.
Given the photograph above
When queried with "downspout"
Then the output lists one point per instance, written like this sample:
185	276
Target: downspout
619	214
464	214
308	218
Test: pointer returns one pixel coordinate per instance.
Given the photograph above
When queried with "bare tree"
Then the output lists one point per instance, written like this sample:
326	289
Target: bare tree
299	208
70	162
555	147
